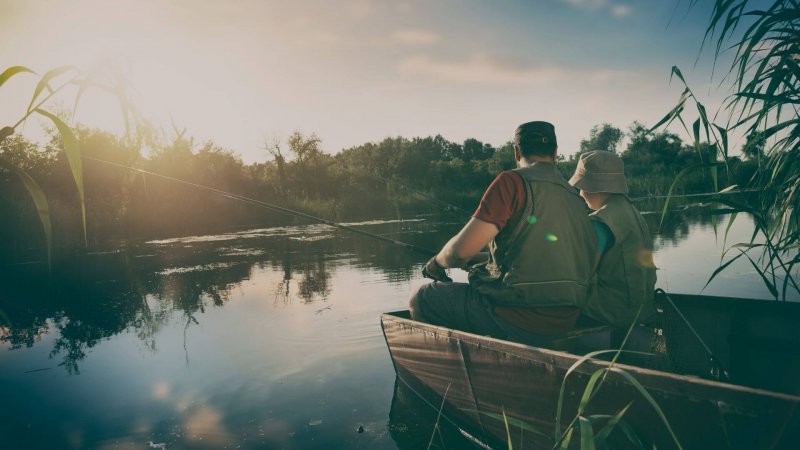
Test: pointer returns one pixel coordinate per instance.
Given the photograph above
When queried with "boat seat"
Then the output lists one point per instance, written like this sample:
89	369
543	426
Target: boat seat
581	339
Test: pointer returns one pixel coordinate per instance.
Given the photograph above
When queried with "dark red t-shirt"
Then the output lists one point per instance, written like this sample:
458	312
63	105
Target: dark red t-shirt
502	205
503	200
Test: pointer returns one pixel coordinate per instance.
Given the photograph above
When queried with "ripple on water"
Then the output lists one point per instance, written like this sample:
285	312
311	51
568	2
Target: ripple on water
284	231
381	222
234	251
187	269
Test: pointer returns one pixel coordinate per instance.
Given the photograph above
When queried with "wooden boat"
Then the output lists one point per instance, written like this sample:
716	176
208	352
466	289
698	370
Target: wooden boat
481	378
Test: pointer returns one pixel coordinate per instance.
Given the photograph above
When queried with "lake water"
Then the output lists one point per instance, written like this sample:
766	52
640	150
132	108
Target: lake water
264	338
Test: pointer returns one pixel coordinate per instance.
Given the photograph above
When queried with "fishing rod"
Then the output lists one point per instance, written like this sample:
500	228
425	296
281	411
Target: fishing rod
422	250
722	373
270	206
703	194
448	206
456	208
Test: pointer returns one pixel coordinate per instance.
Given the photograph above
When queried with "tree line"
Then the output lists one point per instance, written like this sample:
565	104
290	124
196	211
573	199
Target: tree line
396	177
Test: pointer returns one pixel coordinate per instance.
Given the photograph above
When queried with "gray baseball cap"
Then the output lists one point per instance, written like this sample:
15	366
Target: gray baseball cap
600	171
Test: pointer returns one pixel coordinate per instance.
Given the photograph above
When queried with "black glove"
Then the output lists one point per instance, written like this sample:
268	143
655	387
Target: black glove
435	272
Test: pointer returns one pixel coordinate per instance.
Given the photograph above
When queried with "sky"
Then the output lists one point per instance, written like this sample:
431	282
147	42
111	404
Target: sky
246	73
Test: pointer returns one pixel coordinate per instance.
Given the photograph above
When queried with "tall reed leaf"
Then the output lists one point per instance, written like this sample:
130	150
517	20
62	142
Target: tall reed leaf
439	416
575	365
764	80
771	286
11	71
508	431
677	179
587	433
635	383
604	432
44	82
73	153
513	421
567	439
39	199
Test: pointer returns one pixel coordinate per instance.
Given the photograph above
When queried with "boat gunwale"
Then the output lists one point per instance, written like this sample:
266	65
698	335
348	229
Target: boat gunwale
529	352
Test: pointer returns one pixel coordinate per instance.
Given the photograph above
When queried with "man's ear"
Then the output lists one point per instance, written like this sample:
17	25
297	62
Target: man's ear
555	154
517	154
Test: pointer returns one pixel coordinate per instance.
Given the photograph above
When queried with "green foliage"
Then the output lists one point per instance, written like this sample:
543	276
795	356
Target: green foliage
764	77
753	149
11	71
72	150
39	199
602	137
397	177
44	92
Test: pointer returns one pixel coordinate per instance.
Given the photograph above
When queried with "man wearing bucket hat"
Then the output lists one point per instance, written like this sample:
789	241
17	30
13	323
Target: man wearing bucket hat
626	275
541	258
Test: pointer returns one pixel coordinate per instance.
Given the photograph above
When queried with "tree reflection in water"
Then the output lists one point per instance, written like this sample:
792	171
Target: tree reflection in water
97	296
142	289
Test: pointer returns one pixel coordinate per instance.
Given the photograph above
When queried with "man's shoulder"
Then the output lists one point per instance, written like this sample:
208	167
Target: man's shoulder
507	180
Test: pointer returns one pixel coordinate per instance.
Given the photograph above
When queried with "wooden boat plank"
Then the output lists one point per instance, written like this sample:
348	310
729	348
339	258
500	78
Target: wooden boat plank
527	389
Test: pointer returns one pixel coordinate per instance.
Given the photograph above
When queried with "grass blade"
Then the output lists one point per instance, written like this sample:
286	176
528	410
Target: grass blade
11	71
512	421
635	383
73	153
45	82
589	390
731	219
772	289
574	366
438	416
567	440
508	432
40	200
630	433
604	432
587	433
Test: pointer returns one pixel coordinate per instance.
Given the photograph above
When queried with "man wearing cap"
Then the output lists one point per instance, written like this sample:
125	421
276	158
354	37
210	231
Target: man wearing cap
542	251
626	275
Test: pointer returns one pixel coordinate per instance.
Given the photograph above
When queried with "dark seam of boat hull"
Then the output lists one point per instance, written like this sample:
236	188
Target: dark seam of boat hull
469	384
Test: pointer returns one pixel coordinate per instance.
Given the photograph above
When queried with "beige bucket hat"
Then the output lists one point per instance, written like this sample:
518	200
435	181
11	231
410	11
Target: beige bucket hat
600	171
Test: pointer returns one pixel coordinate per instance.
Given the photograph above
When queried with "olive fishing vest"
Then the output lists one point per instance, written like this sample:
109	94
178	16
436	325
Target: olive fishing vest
546	259
626	275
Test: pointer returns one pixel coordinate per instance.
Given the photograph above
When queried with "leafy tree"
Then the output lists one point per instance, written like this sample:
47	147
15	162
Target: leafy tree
753	148
602	137
280	163
475	150
304	148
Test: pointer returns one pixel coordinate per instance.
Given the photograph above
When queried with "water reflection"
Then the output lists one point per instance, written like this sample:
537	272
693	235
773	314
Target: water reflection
414	424
679	221
142	288
244	338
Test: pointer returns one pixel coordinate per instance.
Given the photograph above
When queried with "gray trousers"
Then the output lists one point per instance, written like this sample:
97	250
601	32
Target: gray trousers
459	306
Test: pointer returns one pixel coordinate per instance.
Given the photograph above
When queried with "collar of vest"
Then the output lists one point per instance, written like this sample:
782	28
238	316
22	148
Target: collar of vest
543	172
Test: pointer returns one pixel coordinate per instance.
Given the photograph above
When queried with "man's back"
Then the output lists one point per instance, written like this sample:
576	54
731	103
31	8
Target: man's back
546	257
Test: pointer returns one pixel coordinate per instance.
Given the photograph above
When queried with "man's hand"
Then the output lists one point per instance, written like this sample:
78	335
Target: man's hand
435	272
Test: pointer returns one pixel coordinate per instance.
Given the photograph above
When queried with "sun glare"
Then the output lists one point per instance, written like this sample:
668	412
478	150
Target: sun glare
175	72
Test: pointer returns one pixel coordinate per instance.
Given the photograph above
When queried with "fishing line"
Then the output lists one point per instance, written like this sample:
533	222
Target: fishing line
704	194
293	212
267	205
422	250
723	374
449	207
